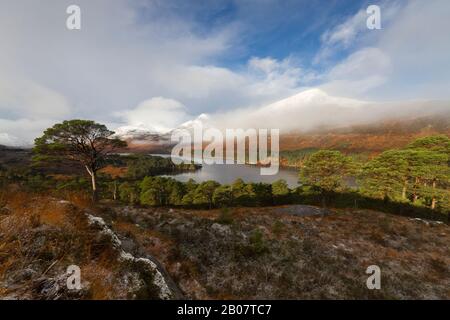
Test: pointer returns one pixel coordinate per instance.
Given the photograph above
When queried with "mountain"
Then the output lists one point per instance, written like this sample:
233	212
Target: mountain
369	139
313	112
202	120
138	133
150	140
143	139
314	108
11	156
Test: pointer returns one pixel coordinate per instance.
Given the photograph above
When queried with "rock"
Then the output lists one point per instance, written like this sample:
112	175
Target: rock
155	279
39	242
173	222
220	228
129	245
303	210
181	228
135	286
427	222
139	220
105	233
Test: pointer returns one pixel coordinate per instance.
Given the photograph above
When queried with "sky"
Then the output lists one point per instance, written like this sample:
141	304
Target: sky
156	64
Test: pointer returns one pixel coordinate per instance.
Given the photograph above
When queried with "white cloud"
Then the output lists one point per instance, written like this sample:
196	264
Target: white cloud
315	108
22	96
157	114
407	59
417	45
8	140
22	131
272	77
266	65
127	53
341	36
346	32
264	80
367	61
353	31
114	62
362	71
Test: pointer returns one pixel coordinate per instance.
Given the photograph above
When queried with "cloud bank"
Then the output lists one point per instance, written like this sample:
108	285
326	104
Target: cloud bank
315	109
154	65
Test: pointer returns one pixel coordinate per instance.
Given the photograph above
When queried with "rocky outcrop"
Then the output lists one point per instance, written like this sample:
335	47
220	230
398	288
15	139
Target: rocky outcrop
158	279
302	210
42	242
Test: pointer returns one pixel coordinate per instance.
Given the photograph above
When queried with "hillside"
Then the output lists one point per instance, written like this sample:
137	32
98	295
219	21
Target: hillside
14	156
369	138
41	237
290	252
294	252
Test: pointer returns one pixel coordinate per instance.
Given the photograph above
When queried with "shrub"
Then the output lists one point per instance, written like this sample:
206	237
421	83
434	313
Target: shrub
225	216
256	246
128	193
278	228
223	196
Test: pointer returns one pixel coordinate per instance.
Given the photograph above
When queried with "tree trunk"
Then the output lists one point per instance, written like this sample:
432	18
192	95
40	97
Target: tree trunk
93	175
415	195
404	190
433	200
115	191
94	186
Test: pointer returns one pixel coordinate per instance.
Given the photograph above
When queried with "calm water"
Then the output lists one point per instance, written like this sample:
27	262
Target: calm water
228	173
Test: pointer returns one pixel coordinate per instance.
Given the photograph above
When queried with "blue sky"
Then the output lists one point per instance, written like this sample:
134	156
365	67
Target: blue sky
274	29
155	64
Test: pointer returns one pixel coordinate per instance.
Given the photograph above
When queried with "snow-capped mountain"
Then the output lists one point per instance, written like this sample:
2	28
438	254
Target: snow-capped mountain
141	134
201	120
314	108
305	111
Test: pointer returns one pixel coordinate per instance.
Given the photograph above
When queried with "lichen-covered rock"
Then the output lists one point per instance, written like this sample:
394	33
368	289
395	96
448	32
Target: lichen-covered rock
40	240
152	278
221	229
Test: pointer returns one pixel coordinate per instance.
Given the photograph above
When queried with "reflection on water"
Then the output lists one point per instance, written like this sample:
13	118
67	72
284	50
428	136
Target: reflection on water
228	173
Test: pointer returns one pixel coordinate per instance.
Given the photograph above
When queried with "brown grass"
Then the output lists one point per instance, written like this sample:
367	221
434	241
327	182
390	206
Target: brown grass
101	280
114	172
154	242
47	235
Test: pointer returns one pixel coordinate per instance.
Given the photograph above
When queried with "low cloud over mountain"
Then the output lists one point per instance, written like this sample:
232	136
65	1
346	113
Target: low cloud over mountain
308	110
